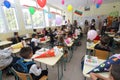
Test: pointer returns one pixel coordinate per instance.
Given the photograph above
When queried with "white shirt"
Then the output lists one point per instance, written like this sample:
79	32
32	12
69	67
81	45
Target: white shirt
34	68
36	41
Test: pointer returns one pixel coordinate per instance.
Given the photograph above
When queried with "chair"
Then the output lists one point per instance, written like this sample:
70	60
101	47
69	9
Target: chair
25	76
101	54
1	68
0	74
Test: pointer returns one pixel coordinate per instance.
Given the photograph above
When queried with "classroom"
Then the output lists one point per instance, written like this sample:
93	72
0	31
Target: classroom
59	39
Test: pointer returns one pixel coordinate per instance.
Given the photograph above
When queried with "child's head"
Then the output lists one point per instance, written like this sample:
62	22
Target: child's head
26	52
34	36
16	34
115	72
105	40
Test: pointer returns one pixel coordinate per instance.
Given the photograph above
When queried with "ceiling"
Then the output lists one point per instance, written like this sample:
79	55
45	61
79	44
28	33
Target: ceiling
76	3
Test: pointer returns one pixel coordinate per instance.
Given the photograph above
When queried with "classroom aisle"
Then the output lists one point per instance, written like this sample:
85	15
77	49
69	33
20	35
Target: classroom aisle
73	68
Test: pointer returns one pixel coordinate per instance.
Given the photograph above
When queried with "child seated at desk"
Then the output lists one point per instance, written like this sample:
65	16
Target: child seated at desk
35	71
35	43
114	74
16	38
103	45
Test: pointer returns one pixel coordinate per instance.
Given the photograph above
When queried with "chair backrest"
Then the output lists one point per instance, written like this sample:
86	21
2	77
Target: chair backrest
22	76
101	54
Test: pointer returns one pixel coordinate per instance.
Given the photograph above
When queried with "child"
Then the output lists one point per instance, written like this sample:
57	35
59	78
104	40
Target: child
35	43
114	74
35	71
16	38
103	45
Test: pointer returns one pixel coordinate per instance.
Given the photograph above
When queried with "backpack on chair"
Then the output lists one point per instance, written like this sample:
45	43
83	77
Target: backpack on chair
22	66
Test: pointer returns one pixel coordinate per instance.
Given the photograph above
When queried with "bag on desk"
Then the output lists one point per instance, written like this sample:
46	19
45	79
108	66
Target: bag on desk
42	39
104	67
17	46
49	53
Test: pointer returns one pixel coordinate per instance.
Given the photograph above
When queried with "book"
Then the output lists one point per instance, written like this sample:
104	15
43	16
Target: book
91	60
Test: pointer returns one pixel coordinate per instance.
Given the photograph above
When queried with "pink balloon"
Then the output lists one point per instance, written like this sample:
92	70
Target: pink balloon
91	34
100	2
62	2
58	20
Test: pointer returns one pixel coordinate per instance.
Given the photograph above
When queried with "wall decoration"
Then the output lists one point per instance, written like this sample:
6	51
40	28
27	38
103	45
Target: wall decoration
78	12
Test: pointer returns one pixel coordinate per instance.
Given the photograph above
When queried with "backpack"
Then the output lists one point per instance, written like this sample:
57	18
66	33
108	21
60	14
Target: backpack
22	66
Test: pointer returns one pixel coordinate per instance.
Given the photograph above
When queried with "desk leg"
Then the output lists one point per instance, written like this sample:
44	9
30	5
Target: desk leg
60	70
71	52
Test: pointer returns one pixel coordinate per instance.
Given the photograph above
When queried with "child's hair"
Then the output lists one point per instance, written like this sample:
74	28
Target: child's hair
105	40
15	33
33	35
34	30
25	52
115	71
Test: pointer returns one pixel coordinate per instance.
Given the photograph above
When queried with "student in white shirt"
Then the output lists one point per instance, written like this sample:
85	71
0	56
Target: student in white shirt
35	43
35	71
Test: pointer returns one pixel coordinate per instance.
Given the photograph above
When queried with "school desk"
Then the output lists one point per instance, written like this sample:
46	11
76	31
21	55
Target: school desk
91	45
88	68
51	61
3	43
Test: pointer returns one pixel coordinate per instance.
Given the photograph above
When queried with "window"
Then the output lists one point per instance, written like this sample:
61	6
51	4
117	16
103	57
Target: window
53	16
2	25
32	21
27	18
59	12
47	16
10	18
38	19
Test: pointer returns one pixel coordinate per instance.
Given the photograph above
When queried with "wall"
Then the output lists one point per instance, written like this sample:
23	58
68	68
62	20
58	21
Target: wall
104	9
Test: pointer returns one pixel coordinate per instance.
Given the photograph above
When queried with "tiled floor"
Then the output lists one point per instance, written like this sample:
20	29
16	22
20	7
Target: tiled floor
73	68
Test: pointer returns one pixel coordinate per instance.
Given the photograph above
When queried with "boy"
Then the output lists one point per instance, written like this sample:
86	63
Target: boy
36	72
35	43
114	74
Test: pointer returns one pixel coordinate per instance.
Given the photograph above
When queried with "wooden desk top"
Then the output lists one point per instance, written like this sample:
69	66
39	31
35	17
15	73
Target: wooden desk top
91	45
2	43
88	68
49	61
14	51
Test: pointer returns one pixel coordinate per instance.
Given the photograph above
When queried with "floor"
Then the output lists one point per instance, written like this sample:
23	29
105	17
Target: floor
73	68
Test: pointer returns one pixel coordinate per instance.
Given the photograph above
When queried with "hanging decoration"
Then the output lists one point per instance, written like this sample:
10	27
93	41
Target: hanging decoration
49	16
99	2
62	2
7	4
31	10
69	8
97	5
58	20
91	34
78	12
41	3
